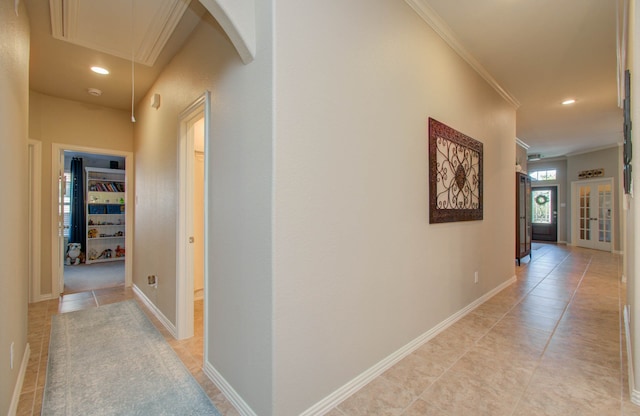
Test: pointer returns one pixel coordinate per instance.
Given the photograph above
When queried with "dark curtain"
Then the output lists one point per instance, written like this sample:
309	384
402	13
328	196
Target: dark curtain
77	232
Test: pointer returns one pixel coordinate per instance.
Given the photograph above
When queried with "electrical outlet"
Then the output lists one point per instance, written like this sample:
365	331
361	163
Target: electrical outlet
152	280
475	277
11	355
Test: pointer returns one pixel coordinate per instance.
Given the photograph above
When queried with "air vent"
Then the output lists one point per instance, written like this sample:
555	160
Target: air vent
534	156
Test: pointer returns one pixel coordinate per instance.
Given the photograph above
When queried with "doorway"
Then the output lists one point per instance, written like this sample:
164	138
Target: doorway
544	213
60	209
93	183
192	221
593	214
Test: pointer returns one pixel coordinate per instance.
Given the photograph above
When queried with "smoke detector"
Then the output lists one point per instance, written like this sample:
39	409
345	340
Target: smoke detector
95	92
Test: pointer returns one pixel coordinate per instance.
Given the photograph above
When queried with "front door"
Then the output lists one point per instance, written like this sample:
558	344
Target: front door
595	214
544	213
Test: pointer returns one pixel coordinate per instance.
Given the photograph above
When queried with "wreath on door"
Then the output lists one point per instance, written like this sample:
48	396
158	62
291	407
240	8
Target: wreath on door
542	199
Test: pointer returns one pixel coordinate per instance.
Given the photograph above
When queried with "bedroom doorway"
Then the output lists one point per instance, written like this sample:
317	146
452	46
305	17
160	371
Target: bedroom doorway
96	267
71	272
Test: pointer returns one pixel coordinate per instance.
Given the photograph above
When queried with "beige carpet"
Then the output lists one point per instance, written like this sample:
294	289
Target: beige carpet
84	277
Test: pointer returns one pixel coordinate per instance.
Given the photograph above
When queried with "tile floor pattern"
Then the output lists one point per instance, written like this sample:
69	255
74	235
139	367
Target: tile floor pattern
550	344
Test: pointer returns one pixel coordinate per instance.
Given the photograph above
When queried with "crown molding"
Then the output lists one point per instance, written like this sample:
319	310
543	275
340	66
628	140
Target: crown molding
156	20
424	10
522	144
593	149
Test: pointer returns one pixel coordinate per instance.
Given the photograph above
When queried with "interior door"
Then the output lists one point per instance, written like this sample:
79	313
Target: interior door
544	213
595	214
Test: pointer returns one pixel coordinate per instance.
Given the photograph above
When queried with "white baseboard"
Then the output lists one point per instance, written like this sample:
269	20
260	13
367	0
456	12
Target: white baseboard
17	390
43	297
236	400
338	396
633	393
156	312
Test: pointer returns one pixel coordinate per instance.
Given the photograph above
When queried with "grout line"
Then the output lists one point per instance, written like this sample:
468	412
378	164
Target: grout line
517	302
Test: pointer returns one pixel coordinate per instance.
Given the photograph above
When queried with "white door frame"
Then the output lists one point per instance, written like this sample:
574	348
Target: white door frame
35	220
57	167
185	250
575	217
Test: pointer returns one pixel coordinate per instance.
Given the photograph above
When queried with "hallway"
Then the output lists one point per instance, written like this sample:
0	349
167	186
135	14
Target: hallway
550	344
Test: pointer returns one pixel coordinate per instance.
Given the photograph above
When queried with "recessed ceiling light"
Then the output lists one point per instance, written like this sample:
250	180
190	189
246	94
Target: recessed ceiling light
100	70
568	102
94	91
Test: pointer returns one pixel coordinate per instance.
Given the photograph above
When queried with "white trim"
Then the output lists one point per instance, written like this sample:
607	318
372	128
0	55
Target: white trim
35	220
57	266
432	18
66	16
17	389
184	249
594	149
155	311
239	24
575	207
522	144
223	385
633	393
338	396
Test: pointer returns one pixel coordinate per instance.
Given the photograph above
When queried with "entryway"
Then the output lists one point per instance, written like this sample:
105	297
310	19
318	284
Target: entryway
544	213
593	213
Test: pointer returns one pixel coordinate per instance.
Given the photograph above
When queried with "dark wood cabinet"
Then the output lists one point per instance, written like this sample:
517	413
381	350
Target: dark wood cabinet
523	216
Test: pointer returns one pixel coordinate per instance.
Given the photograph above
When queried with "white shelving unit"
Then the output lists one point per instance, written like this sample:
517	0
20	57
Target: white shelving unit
105	199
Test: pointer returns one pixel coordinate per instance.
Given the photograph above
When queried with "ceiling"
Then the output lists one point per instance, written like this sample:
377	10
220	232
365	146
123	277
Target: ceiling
70	36
543	52
539	52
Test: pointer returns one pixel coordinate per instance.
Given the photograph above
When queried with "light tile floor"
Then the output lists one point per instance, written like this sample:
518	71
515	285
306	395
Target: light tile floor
550	344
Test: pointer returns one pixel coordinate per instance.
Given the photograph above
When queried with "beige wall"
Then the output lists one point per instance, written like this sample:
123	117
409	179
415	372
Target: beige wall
239	186
56	120
358	270
14	223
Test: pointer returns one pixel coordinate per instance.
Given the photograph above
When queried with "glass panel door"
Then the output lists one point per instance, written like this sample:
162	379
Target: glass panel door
595	215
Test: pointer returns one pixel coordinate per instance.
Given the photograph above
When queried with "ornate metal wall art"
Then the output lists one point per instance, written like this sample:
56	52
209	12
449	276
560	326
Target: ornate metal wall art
455	175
